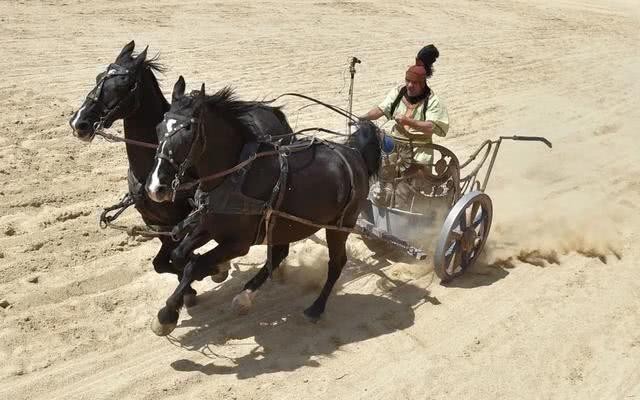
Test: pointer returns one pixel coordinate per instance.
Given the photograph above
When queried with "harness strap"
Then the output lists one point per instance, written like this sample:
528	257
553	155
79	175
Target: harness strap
106	219
111	112
352	192
113	70
397	100
186	225
277	196
287	149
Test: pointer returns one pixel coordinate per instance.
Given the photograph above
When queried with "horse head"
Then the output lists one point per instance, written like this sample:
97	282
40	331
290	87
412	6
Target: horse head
115	95
177	142
195	125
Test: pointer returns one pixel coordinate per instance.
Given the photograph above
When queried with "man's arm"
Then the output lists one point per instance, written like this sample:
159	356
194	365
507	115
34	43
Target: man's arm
373	114
425	127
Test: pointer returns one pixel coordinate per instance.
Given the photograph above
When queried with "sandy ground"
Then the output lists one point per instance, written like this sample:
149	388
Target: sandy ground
551	312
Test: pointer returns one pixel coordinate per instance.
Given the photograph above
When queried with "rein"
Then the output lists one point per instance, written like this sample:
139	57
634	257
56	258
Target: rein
182	123
110	214
177	185
99	126
287	149
284	149
113	138
336	109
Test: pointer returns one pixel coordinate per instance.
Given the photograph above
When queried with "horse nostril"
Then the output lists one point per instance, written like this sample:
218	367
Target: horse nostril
159	193
83	126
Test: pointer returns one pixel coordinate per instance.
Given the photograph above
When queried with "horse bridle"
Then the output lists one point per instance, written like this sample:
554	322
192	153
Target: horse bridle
113	70
182	122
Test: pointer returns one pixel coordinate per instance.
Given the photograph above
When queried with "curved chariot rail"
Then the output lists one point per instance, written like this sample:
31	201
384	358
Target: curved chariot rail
471	182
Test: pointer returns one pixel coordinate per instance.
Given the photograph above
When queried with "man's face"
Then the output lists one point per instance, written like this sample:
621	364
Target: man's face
414	87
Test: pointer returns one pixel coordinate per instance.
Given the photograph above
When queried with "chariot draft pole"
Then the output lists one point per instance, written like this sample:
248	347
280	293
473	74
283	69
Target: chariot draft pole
352	71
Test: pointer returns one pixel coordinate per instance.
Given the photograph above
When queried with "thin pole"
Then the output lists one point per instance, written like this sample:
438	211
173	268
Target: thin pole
352	71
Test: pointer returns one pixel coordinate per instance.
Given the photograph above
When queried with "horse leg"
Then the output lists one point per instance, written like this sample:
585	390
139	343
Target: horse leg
223	274
189	298
181	254
337	259
197	269
162	264
243	301
162	260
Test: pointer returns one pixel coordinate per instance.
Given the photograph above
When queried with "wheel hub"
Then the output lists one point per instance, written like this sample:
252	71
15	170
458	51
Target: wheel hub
468	239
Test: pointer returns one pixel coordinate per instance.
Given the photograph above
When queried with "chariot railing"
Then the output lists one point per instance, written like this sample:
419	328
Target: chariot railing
488	149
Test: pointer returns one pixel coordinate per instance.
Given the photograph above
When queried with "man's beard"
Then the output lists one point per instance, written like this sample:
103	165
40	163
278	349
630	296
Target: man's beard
415	99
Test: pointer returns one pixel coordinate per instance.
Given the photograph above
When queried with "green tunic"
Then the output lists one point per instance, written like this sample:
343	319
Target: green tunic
436	113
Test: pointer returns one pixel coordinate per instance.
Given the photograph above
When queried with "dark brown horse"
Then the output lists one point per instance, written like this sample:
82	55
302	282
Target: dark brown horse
129	90
326	183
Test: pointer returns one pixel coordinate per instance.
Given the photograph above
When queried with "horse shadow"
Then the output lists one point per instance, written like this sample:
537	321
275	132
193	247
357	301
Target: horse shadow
276	337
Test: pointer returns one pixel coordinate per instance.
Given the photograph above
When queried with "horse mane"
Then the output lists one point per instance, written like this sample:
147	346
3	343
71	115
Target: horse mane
154	65
227	106
366	140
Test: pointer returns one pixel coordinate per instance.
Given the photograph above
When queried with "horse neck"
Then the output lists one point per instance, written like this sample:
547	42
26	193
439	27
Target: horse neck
141	125
223	145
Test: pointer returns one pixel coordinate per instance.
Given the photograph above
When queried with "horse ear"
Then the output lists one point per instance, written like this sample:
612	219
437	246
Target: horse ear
127	50
178	89
202	90
141	57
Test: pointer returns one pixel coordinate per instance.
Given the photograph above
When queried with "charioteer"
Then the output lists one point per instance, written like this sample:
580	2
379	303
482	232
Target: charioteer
418	114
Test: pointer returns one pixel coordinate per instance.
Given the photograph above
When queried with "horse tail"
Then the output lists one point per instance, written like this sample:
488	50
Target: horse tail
366	140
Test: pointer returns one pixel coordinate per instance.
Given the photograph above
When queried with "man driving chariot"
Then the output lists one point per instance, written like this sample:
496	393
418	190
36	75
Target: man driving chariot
418	114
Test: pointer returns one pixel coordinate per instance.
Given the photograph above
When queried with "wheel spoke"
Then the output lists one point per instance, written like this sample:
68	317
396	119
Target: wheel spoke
478	220
466	229
451	251
463	221
456	234
474	210
453	267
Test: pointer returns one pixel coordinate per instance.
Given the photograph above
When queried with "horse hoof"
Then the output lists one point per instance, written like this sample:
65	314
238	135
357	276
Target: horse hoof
311	315
161	329
242	302
220	277
190	300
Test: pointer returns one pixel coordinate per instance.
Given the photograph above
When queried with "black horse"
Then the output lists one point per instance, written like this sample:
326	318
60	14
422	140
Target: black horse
326	183
129	90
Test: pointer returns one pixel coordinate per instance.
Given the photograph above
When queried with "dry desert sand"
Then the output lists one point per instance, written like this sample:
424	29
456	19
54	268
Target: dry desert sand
550	312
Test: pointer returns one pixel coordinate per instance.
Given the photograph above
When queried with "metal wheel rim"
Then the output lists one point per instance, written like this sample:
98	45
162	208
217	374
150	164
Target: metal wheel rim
461	240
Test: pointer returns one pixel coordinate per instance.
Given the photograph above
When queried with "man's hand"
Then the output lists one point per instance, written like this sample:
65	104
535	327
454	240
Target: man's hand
403	120
419	128
401	130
